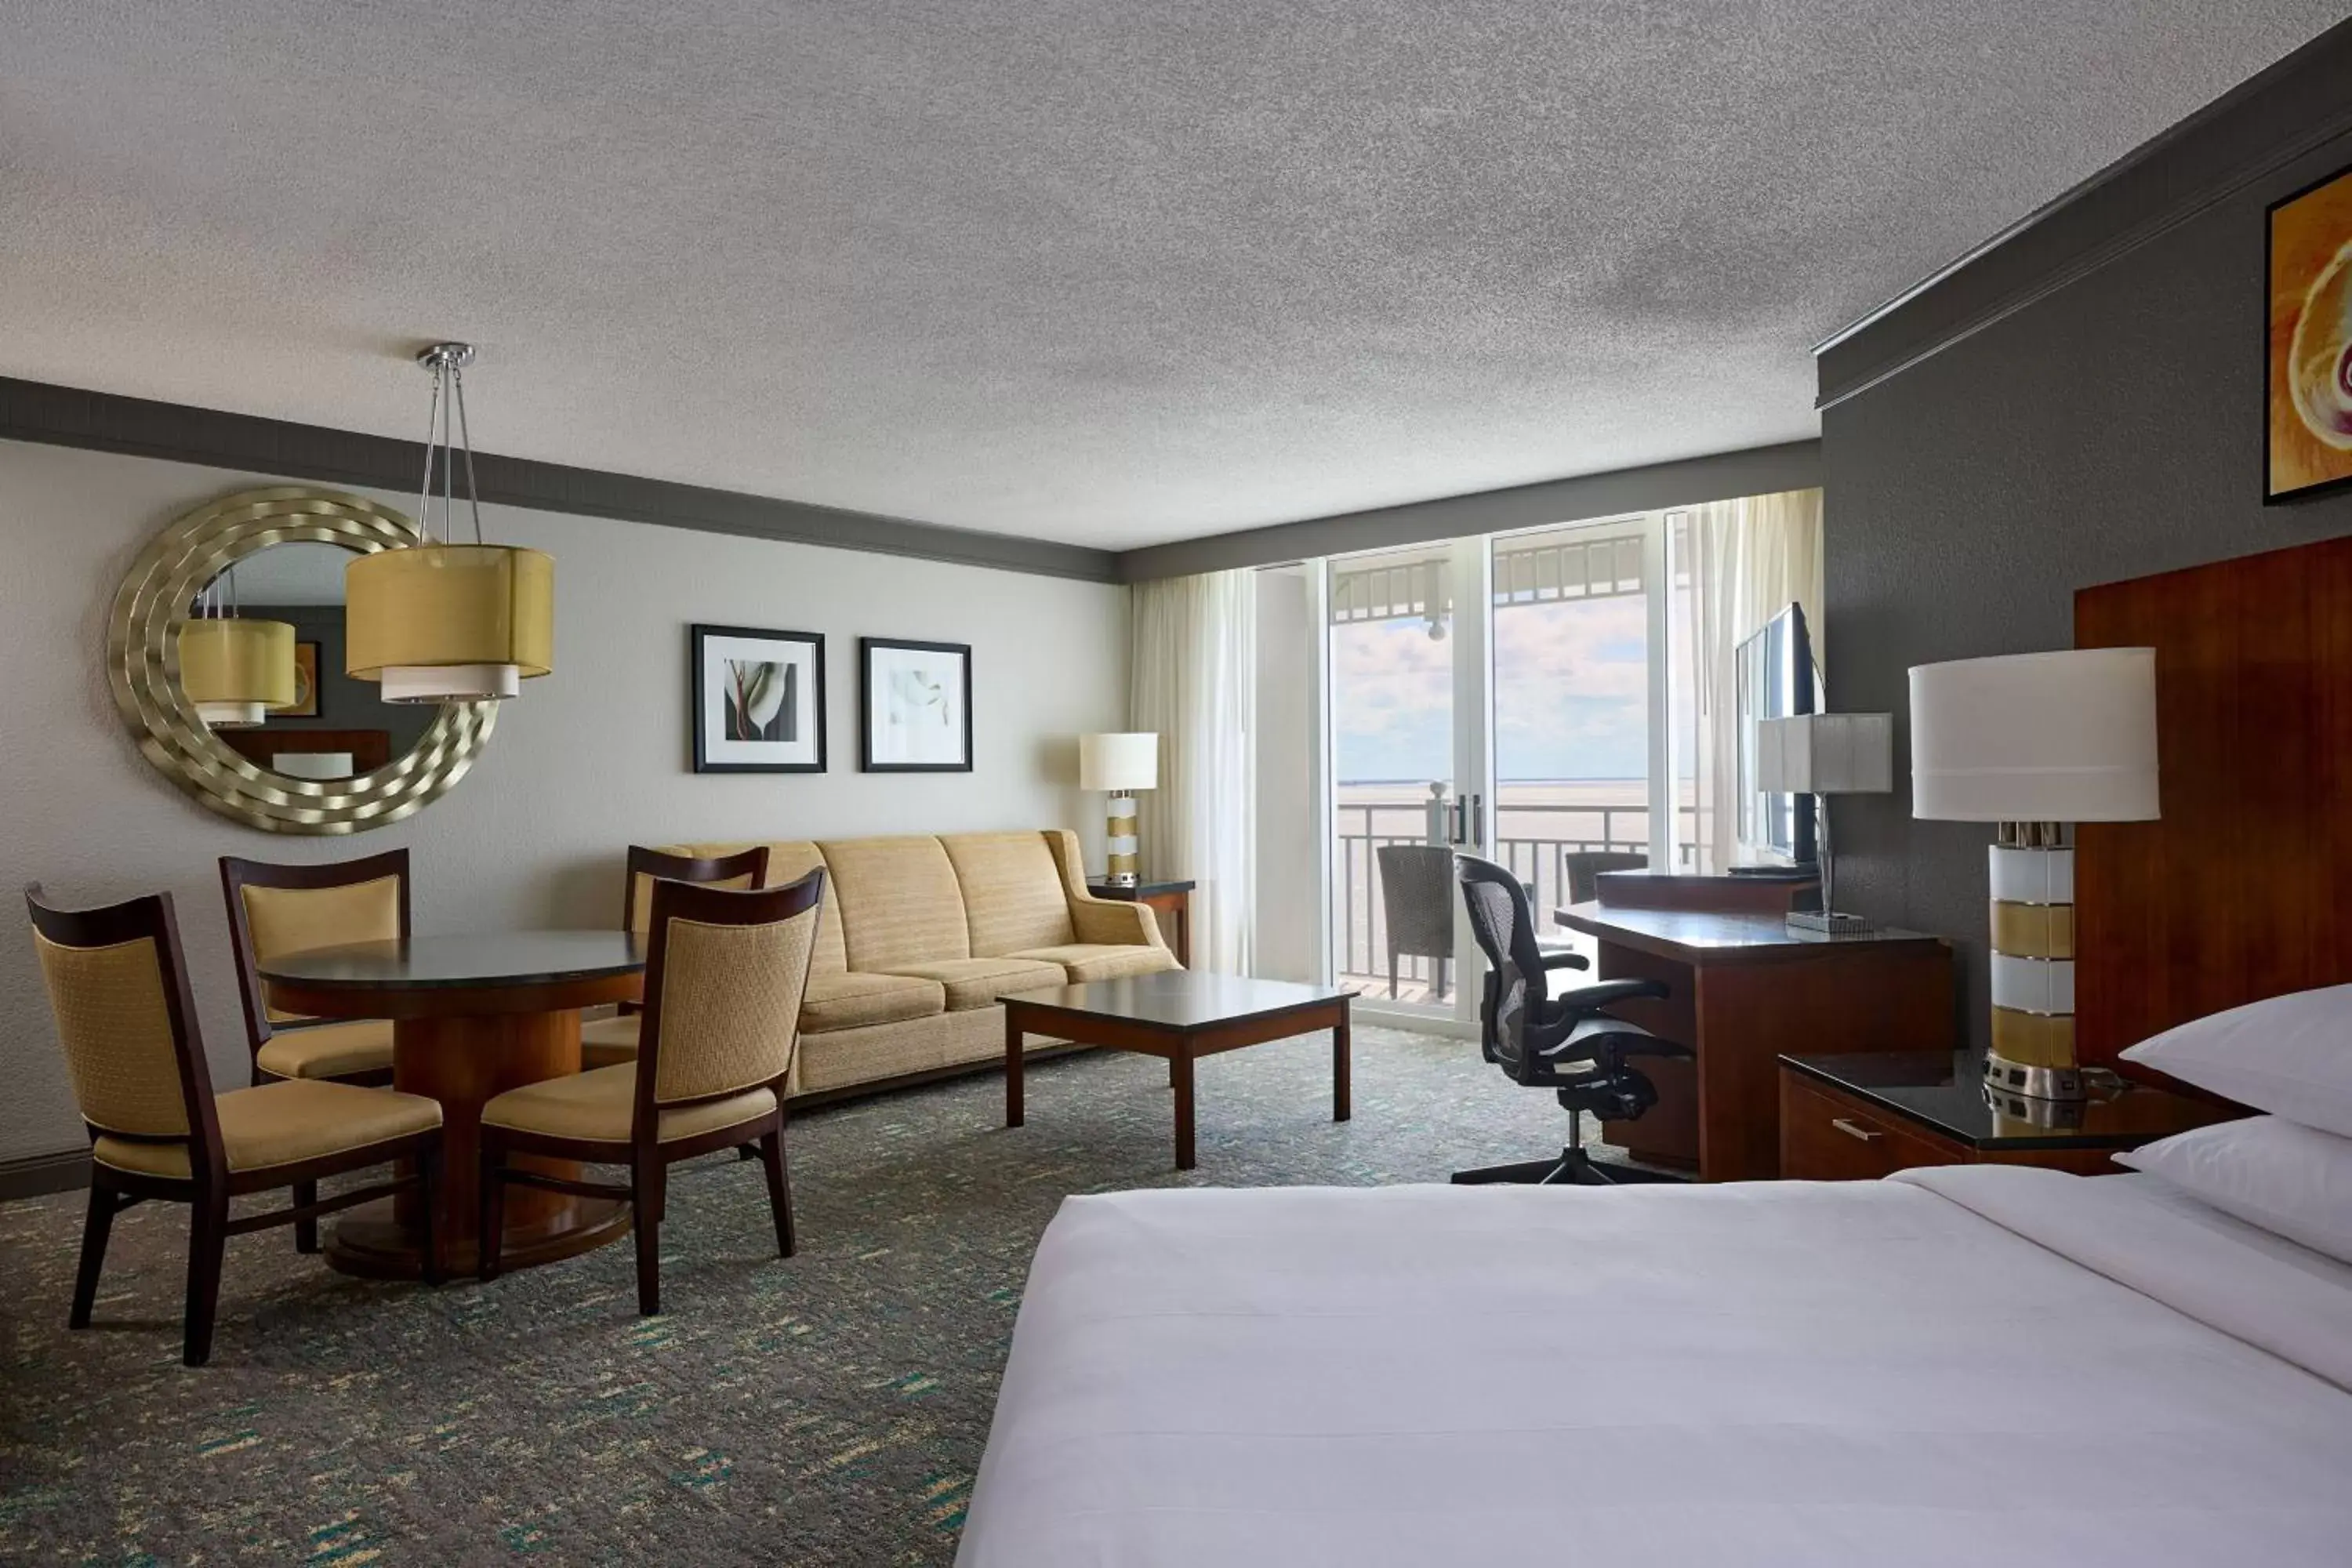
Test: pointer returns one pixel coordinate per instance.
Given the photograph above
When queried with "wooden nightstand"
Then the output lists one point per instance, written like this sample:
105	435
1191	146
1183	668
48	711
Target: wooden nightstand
1856	1118
1170	902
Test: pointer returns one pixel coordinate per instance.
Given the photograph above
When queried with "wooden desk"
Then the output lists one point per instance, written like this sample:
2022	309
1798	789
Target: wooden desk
1745	991
1653	890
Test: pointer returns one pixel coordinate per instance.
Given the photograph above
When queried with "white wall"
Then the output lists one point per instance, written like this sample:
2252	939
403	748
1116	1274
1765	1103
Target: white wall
588	759
1287	941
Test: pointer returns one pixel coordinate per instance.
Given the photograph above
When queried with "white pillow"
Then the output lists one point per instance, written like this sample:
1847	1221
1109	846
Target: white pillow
2291	1055
2292	1181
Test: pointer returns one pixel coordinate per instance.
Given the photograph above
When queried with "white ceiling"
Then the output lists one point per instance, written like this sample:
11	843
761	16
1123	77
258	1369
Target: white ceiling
1110	274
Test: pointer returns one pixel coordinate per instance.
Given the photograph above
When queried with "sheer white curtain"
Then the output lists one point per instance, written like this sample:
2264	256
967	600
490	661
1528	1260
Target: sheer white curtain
1749	559
1192	680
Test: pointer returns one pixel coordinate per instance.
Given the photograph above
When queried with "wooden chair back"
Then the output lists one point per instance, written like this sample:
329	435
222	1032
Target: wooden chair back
724	980
275	908
126	1019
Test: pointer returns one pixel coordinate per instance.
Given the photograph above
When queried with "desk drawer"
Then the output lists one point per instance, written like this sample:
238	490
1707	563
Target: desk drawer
1826	1137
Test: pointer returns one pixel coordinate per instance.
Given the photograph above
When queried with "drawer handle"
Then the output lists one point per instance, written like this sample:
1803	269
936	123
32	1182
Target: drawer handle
1850	1130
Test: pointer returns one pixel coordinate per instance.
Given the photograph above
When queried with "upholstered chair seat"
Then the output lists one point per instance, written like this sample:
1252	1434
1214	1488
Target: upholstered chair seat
978	982
607	1042
852	1000
355	1050
725	974
289	1123
1088	961
598	1108
127	1021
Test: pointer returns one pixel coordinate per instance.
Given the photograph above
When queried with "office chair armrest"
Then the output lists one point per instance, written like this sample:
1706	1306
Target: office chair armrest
1564	958
1591	998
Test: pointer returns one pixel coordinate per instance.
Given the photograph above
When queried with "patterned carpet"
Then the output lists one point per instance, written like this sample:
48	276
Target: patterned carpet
827	1409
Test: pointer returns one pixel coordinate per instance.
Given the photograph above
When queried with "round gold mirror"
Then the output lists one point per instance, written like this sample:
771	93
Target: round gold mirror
197	650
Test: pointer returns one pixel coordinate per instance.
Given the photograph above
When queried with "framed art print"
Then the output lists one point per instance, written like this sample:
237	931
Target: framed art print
306	683
918	703
2309	250
758	701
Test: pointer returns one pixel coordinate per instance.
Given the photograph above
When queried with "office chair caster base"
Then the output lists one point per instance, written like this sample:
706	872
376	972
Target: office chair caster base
1574	1168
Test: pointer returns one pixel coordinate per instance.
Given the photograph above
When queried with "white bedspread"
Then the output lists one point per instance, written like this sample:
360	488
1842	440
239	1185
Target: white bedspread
1770	1374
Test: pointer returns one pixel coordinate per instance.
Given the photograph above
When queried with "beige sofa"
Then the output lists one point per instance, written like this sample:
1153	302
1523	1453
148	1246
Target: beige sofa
920	935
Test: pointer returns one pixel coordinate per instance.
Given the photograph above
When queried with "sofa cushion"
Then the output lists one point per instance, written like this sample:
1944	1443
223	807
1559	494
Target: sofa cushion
978	982
1013	894
1103	960
900	903
849	1001
788	859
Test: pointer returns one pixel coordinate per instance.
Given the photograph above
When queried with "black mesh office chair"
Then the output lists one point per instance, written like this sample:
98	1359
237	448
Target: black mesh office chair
1564	1042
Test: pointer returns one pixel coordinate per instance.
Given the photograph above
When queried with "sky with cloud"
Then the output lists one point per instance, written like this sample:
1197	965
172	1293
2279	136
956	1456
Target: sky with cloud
1570	695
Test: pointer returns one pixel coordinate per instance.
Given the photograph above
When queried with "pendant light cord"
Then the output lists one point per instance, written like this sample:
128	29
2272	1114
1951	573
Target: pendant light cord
448	399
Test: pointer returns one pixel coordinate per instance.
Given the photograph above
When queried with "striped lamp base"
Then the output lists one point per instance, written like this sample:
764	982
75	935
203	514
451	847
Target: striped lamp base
2033	974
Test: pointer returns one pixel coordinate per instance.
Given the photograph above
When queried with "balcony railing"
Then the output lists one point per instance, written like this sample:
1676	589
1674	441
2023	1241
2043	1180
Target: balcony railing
1533	840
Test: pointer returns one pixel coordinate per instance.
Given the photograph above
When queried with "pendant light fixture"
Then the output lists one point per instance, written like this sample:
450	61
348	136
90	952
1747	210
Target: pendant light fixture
436	621
234	671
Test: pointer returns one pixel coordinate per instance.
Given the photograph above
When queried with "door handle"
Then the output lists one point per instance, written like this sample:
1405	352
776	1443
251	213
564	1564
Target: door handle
1461	816
1850	1130
1478	822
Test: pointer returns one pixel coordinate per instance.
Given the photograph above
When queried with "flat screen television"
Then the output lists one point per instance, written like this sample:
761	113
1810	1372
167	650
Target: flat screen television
1774	675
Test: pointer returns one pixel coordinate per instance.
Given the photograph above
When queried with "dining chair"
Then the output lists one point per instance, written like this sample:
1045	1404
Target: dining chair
605	1042
118	985
724	977
274	910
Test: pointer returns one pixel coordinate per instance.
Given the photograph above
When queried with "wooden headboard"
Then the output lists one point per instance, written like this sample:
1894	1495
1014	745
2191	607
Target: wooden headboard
2245	889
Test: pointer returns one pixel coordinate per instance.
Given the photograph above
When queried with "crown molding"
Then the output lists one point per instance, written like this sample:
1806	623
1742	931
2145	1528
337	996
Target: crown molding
2249	135
106	422
1690	481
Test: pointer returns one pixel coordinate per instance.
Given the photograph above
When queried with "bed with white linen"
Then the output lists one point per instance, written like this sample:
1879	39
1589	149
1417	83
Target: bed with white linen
1969	1367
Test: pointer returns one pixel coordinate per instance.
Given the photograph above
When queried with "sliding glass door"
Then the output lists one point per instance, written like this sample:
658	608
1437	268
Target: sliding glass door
1578	692
1504	696
1406	631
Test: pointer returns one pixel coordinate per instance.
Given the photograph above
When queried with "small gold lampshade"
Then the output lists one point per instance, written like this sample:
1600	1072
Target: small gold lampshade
437	622
234	670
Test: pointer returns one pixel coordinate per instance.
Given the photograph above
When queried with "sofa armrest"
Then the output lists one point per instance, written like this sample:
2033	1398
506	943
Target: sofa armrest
1115	921
1112	921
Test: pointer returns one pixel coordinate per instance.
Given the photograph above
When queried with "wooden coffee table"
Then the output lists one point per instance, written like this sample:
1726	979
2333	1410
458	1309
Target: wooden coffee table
1182	1016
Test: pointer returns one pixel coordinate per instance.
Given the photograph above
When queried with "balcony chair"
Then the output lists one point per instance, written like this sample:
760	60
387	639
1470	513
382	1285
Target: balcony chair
1417	907
1567	1043
1582	869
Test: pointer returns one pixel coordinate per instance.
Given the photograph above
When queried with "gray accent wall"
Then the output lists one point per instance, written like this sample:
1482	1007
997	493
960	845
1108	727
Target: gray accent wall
2106	427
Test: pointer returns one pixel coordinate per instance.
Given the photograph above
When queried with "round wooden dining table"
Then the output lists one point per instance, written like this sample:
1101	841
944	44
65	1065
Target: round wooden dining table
472	1017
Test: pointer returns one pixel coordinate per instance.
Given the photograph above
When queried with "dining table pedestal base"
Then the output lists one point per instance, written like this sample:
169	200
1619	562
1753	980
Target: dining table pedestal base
465	1061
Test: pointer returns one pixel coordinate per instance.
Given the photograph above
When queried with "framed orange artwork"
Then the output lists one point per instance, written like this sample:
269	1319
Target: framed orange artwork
306	683
2309	446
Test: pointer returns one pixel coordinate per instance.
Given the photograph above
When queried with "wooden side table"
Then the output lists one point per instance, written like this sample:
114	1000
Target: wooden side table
1171	902
1860	1117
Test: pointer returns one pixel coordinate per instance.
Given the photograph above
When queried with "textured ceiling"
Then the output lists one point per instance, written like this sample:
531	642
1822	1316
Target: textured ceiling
1111	274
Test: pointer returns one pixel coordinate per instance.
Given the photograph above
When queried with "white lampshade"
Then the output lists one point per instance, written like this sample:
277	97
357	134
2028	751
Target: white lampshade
2036	737
1119	764
1826	753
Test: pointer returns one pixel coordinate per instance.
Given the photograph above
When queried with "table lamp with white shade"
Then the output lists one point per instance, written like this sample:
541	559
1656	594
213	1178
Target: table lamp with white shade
1120	764
1821	754
2033	741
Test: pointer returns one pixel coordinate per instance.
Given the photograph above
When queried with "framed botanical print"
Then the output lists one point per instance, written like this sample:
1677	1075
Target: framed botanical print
758	701
916	698
2309	252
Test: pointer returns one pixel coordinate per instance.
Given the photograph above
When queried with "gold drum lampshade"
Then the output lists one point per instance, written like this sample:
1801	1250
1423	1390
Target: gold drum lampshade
234	671
440	622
